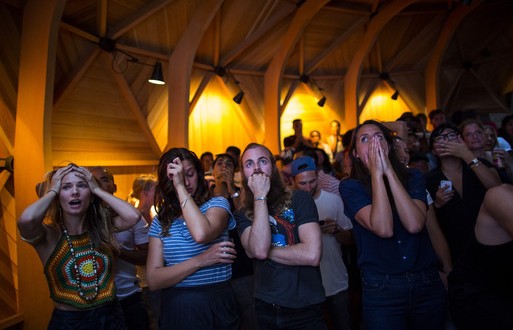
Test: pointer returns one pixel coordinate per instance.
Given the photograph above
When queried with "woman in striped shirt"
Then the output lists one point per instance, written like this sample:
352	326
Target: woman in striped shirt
190	255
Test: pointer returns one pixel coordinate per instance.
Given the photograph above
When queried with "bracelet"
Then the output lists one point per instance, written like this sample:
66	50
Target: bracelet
36	239
263	198
55	191
473	163
185	201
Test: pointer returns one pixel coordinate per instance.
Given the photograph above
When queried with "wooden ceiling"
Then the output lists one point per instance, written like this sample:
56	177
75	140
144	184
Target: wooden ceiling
100	97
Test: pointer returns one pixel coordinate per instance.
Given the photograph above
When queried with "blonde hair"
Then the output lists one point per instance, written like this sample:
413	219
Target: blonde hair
142	183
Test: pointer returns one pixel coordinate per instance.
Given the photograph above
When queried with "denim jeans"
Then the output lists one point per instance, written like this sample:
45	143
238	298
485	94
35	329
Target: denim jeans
270	316
106	317
337	310
415	300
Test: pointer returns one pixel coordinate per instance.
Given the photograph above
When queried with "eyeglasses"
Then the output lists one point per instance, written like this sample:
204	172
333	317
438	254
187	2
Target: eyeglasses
446	137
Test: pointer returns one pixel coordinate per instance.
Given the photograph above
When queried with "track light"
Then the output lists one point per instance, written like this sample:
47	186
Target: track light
157	77
322	101
238	98
395	95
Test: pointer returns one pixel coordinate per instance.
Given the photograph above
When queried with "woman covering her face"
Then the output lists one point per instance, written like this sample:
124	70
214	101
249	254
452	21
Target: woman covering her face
189	255
76	247
387	204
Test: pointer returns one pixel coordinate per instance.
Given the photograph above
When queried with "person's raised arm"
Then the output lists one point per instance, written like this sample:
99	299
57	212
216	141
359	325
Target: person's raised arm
203	227
256	239
438	240
305	253
127	215
160	277
488	176
30	222
376	217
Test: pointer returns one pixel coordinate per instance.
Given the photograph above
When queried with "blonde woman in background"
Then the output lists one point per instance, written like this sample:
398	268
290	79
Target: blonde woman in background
142	197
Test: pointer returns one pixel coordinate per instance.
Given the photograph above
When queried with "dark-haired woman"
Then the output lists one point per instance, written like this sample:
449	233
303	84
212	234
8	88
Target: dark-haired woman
387	204
189	254
76	247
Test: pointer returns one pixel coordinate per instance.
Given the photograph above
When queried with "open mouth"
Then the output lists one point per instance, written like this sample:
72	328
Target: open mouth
75	202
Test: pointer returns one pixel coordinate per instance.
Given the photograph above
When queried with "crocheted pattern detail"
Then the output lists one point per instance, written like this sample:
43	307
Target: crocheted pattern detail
62	282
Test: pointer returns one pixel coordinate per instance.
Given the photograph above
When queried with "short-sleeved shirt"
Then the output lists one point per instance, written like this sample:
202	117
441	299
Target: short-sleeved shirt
286	285
125	272
179	246
404	251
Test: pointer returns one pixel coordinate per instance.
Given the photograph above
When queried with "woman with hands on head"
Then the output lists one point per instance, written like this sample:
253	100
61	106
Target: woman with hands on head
387	205
189	254
76	246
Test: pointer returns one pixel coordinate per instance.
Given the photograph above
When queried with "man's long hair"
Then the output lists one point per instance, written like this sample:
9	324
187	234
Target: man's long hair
279	196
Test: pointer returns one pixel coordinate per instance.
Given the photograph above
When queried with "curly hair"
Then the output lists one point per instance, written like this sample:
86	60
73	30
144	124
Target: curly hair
167	202
279	197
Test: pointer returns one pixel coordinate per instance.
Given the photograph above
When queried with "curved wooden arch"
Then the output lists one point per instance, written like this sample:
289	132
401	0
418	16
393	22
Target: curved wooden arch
273	74
33	148
180	70
433	66
353	72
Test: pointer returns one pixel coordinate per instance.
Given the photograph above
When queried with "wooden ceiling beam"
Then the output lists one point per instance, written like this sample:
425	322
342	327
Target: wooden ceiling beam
204	82
383	16
254	37
102	18
79	32
490	91
433	66
413	45
180	69
313	64
273	74
133	105
287	98
69	83
138	17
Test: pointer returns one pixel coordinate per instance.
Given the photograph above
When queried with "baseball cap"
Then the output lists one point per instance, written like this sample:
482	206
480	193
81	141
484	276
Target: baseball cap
303	164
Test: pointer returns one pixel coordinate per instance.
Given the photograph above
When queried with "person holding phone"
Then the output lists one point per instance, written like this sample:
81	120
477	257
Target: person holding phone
457	205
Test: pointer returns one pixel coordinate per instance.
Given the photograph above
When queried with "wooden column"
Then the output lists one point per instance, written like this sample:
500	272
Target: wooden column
352	77
32	150
273	74
179	74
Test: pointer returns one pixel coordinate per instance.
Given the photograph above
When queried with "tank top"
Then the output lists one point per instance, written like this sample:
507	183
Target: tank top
61	273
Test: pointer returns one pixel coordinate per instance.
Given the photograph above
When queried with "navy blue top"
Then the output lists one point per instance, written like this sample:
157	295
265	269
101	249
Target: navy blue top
403	252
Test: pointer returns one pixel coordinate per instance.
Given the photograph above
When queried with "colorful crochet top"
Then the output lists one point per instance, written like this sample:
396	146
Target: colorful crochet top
63	283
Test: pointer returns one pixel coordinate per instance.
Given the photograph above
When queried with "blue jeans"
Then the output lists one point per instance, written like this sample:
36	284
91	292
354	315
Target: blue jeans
108	316
415	300
270	316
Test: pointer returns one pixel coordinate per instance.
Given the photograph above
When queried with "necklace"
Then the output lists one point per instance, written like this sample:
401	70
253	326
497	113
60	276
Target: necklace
78	274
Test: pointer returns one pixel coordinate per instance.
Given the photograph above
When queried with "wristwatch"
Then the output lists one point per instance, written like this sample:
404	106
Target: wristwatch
235	194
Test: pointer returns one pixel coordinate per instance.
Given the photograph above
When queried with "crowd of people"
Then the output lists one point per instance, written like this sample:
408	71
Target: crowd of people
380	227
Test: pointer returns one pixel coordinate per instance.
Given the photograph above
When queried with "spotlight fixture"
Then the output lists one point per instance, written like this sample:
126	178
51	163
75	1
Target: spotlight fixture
395	95
157	77
238	98
322	101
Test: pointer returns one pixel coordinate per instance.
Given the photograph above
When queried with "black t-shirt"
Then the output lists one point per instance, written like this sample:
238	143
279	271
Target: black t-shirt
285	285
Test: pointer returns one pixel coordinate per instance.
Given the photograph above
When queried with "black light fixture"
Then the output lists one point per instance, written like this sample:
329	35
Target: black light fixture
238	98
223	72
313	85
157	77
395	95
386	77
322	101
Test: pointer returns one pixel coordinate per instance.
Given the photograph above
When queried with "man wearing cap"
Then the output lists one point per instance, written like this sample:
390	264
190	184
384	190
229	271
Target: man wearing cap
335	226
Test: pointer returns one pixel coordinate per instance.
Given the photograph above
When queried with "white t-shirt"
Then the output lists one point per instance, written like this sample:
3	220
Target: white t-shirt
125	274
333	271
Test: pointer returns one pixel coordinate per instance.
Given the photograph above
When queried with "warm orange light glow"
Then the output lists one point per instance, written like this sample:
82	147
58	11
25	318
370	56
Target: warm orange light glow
217	122
381	107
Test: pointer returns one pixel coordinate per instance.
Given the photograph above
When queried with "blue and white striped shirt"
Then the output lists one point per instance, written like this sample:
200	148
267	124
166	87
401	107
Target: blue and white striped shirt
179	246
